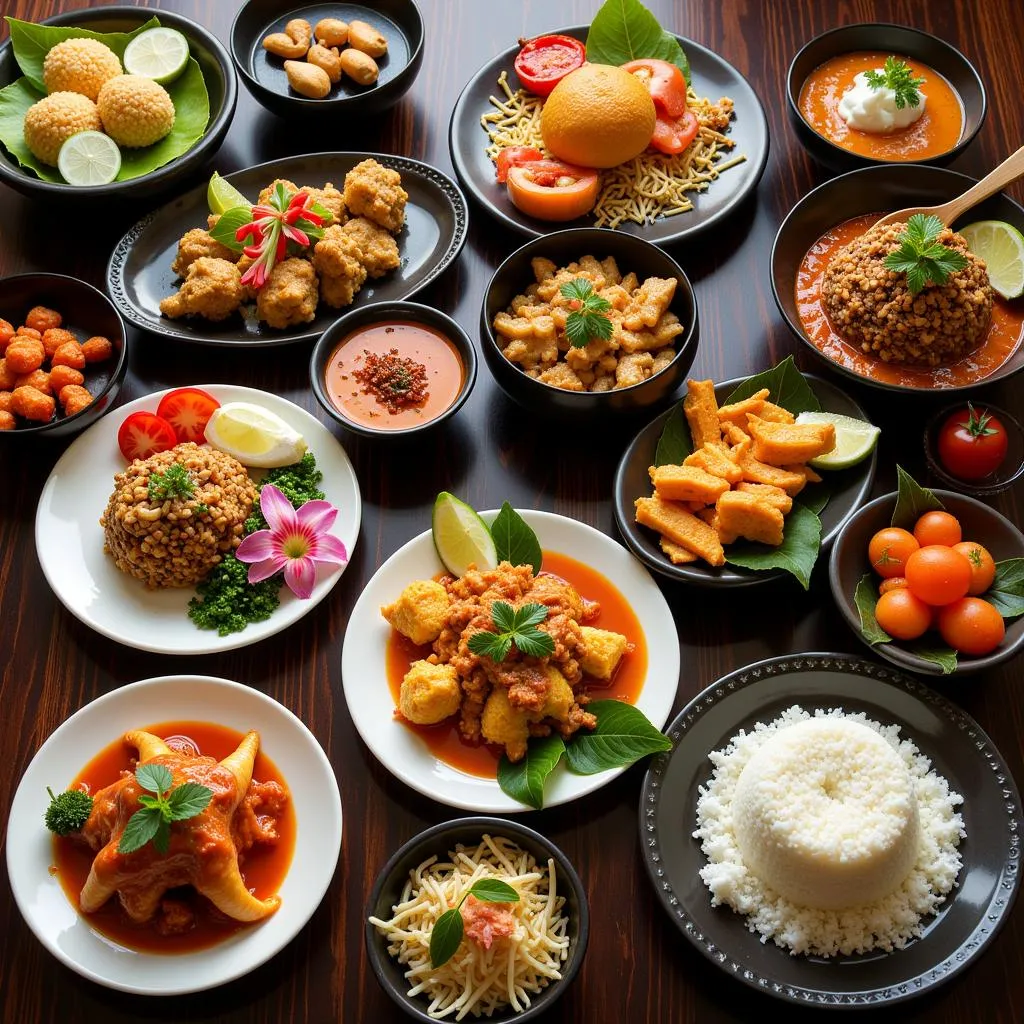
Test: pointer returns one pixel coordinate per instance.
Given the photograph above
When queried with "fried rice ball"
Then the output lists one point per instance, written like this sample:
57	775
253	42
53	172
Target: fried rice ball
54	119
375	191
135	111
80	65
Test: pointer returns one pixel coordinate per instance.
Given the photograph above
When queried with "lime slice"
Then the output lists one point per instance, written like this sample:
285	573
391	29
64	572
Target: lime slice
461	537
1001	246
158	53
89	158
855	439
254	435
222	196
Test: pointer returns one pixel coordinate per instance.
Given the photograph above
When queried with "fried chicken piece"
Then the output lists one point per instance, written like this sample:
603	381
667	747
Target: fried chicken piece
375	191
338	260
196	243
378	249
212	289
290	295
263	199
330	199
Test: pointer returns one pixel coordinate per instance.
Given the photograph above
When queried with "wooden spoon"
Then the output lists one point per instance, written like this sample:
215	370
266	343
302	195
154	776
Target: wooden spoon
1008	171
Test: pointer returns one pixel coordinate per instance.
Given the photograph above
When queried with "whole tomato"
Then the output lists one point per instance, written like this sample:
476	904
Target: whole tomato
972	444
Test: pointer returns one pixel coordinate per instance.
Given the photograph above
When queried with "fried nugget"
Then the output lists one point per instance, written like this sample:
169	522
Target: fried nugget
196	243
62	375
761	473
97	348
39	379
375	191
717	461
736	412
337	259
290	294
701	409
32	404
688	483
330	199
212	289
768	493
24	355
677	555
74	398
746	515
54	337
779	444
42	318
378	249
681	527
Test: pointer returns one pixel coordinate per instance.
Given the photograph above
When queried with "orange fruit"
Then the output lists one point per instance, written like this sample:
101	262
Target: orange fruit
598	116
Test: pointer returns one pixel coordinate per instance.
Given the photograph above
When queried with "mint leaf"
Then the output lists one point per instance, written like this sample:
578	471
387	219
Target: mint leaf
524	780
490	645
493	890
188	800
865	597
141	827
157	778
445	937
624	30
622	736
912	500
1007	591
534	643
786	386
514	541
530	614
801	542
675	442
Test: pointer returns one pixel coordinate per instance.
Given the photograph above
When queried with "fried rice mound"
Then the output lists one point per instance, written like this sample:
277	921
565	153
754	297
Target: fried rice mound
80	65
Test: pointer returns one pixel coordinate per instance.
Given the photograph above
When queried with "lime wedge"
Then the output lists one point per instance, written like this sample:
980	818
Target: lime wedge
158	53
89	158
254	435
855	439
222	196
461	537
1001	246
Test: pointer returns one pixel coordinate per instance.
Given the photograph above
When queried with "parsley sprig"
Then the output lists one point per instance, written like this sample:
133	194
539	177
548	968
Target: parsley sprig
896	75
172	803
514	626
174	483
921	257
589	318
446	934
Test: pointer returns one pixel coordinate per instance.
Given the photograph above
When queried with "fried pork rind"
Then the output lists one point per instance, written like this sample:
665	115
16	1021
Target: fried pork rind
743	514
688	483
717	461
375	191
681	527
761	473
290	295
212	289
769	494
701	410
677	554
780	444
196	243
378	250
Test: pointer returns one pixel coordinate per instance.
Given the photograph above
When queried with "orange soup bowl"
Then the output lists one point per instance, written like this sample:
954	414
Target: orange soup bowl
834	213
824	69
390	369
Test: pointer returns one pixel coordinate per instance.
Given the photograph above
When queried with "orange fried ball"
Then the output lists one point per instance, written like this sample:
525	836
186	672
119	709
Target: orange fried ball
42	318
36	379
6	333
69	354
24	355
54	337
7	376
6	420
33	404
74	398
62	375
5	401
97	348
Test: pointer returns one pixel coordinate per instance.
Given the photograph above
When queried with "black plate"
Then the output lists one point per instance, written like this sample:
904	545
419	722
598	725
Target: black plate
959	751
139	273
848	488
711	76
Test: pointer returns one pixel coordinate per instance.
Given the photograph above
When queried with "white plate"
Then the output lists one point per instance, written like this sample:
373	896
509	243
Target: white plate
404	754
284	739
69	538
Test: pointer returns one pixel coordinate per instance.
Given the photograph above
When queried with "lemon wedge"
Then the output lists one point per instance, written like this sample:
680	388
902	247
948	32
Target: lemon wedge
255	436
855	439
1001	246
461	537
222	196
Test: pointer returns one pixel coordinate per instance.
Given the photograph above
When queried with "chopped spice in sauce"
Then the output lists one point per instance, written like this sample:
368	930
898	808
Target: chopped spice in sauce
396	382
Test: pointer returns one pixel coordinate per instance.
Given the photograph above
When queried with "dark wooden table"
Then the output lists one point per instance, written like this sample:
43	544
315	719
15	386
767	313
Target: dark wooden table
638	967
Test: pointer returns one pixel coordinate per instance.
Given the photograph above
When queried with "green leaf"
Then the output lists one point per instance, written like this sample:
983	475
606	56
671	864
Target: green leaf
622	736
491	645
624	30
530	614
815	496
786	386
675	442
162	839
797	553
188	800
15	99
142	826
534	643
503	616
524	780
912	500
1007	590
228	224
944	657
445	937
493	890
514	540
157	778
865	597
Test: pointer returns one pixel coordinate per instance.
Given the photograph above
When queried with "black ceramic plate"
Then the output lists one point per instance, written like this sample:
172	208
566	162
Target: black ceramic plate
711	76
139	273
848	488
958	749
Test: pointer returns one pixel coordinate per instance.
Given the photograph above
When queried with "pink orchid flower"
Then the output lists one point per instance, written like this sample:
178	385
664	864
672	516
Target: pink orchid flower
296	542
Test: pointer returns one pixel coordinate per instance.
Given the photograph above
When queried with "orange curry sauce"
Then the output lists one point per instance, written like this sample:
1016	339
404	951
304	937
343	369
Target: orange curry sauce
936	131
263	867
481	759
1003	338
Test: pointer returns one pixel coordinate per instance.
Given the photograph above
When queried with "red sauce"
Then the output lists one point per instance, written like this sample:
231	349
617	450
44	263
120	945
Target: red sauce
1003	337
444	740
263	868
443	365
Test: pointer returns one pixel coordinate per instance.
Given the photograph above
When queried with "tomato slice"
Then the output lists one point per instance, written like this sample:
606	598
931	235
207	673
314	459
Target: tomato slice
673	135
543	62
188	410
664	81
143	434
551	190
513	156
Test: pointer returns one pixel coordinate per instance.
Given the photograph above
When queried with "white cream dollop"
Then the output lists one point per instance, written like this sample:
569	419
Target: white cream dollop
868	109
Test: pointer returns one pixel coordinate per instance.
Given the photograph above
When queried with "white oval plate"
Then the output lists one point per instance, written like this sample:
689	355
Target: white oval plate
285	740
69	538
405	755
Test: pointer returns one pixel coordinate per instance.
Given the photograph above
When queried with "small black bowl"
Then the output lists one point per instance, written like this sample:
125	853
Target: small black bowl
438	841
1011	469
86	312
381	312
221	84
880	189
562	247
900	41
264	76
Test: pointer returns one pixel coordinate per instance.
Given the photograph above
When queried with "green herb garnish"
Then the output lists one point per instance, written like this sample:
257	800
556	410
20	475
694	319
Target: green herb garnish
624	30
514	626
923	259
589	320
896	75
174	483
514	539
172	803
67	812
446	934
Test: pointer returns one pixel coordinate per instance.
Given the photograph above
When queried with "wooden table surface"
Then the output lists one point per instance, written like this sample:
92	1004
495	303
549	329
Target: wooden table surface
638	966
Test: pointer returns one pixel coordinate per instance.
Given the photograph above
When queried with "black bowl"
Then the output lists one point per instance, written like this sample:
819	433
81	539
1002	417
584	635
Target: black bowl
632	254
1011	469
375	313
440	839
880	189
898	40
221	85
86	312
849	562
264	76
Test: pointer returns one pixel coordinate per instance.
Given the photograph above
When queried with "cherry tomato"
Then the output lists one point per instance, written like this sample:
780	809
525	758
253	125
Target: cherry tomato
514	156
971	626
551	190
665	83
938	528
903	615
188	410
143	434
892	583
938	574
673	135
889	550
983	566
972	444
543	62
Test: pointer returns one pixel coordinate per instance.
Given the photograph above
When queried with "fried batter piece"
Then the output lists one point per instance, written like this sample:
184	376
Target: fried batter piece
338	260
212	288
196	243
263	199
375	191
290	295
330	199
377	248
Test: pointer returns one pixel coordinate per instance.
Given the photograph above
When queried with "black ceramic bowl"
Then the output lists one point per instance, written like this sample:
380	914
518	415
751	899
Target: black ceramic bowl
1008	472
439	840
849	563
86	312
264	76
382	312
631	254
879	190
900	41
221	85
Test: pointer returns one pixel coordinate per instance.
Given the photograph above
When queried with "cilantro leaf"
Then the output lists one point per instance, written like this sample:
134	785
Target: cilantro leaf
514	625
503	615
588	320
921	257
534	643
897	75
